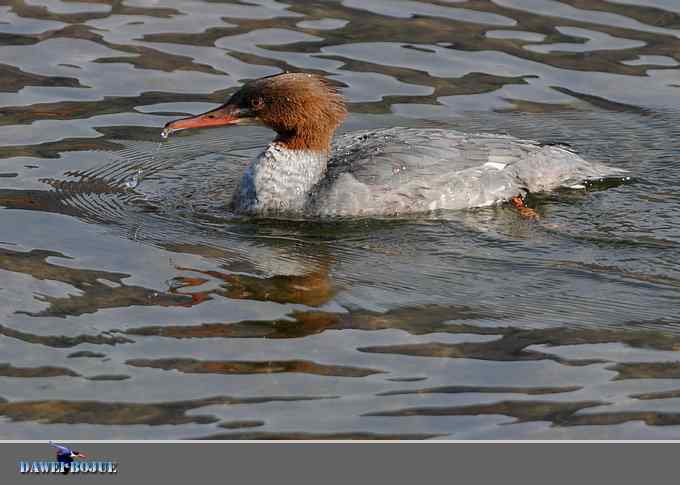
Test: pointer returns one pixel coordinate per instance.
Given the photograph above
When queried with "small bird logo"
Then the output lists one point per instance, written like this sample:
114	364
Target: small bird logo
66	456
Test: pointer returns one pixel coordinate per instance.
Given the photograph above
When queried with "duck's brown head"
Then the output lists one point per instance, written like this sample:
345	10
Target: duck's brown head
303	109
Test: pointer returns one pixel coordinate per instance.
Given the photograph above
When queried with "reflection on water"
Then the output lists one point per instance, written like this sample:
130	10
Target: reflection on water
133	305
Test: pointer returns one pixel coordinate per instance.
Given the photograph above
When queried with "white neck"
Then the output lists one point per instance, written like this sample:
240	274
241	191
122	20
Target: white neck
279	181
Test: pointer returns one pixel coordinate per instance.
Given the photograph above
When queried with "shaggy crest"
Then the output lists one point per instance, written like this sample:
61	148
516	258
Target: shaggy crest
303	109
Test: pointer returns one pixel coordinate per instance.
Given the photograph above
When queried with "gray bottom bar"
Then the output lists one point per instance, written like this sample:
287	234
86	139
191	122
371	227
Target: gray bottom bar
355	463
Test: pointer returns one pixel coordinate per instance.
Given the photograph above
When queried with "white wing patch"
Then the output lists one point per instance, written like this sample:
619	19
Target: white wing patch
496	165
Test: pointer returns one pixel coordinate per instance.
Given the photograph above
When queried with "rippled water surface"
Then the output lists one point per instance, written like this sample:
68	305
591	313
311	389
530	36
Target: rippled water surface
133	305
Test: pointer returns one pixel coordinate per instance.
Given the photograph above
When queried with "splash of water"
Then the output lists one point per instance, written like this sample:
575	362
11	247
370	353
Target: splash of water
133	181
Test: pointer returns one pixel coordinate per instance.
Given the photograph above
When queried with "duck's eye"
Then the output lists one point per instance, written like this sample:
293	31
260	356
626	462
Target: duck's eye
256	103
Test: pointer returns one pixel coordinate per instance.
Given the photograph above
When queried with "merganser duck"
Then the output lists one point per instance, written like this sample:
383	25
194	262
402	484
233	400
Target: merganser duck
382	172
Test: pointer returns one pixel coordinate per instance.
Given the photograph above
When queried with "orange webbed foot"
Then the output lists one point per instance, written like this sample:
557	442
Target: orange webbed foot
524	211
